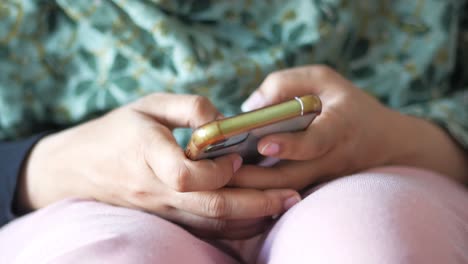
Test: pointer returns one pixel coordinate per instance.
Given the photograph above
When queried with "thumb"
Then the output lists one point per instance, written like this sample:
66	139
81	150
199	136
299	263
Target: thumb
286	84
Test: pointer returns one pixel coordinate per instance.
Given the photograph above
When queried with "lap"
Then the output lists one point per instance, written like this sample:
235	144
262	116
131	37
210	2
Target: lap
388	214
84	231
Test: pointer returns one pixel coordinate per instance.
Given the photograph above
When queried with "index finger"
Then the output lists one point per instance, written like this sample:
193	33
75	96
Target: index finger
235	203
169	163
177	110
286	84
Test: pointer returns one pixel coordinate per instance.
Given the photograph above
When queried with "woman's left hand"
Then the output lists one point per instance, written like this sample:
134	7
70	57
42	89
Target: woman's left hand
353	132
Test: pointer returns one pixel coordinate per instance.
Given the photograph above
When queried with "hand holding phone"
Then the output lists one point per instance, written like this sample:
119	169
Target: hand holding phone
241	133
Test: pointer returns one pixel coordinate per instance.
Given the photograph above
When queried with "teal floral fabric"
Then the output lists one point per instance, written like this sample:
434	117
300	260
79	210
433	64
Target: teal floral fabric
65	61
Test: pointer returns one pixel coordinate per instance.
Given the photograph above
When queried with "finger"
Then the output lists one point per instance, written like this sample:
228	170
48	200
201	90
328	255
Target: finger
321	136
182	174
234	233
175	110
218	228
230	203
286	174
286	84
202	226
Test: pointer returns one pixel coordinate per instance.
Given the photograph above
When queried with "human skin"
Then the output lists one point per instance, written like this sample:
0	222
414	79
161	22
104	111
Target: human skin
130	158
354	132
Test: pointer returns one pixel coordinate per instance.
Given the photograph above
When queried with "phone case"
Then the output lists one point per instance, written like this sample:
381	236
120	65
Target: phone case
240	133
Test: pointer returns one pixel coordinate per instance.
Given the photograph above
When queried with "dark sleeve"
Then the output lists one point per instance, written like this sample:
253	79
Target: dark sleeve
12	155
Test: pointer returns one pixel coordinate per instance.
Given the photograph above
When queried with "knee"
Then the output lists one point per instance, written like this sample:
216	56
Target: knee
125	236
90	232
368	218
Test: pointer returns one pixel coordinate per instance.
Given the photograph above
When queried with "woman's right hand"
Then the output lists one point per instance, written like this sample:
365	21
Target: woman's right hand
130	158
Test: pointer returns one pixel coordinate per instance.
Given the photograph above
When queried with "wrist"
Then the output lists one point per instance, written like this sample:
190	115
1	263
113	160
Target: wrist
29	179
403	146
420	143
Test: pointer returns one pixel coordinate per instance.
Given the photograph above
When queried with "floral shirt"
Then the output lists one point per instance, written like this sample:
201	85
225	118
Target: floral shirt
65	61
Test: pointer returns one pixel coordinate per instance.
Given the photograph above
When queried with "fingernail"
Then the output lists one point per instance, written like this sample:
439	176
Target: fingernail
237	164
291	201
270	149
255	101
219	116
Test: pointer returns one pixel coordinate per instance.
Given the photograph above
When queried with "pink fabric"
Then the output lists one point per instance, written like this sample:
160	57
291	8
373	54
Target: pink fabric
386	215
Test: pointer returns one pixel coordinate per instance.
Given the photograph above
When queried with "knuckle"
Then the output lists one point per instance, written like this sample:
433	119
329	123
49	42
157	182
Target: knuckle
219	226
217	206
181	179
146	100
138	191
293	149
308	147
273	77
317	149
322	71
274	84
200	104
220	175
267	207
141	195
153	96
274	80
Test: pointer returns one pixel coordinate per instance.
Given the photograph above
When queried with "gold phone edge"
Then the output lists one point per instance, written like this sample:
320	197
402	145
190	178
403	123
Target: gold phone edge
214	131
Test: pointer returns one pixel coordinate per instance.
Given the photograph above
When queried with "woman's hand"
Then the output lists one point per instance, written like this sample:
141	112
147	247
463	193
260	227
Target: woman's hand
130	158
354	132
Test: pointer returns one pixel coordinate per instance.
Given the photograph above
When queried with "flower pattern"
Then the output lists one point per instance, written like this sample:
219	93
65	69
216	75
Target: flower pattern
65	61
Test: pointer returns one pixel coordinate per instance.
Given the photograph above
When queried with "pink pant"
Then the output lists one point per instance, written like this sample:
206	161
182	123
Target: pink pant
388	215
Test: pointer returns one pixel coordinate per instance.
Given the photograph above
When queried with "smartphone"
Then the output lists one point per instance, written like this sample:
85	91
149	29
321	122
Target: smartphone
241	133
